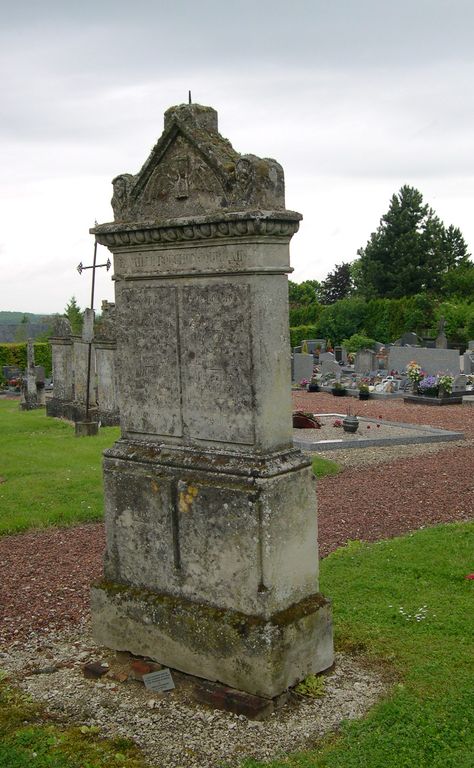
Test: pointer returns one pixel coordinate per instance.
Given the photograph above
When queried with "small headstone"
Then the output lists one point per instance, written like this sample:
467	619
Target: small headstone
468	358
365	360
330	366
459	383
410	340
302	367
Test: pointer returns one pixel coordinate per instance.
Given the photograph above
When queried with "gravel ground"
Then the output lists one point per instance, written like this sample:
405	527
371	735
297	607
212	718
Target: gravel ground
172	729
46	575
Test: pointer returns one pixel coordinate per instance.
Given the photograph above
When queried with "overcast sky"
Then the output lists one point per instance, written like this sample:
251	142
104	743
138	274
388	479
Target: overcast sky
353	97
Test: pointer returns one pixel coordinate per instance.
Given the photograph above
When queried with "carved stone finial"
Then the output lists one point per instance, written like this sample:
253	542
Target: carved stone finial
120	199
194	171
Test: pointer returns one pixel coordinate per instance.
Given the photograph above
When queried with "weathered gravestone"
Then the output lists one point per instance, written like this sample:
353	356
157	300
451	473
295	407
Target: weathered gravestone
105	350
62	368
365	361
211	564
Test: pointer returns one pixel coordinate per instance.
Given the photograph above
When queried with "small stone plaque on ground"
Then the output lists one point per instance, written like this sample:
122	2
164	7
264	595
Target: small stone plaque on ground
159	681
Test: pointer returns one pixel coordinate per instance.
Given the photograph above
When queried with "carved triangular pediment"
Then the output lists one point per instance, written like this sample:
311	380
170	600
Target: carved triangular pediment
193	170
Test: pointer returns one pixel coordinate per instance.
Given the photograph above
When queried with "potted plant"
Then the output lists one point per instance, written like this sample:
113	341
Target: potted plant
364	393
338	390
414	374
445	384
313	385
304	383
428	386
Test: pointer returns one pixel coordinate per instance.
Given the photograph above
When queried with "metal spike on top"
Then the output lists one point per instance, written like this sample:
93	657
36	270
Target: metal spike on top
189	97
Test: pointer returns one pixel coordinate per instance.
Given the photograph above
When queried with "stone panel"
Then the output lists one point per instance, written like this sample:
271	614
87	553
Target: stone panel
216	362
147	359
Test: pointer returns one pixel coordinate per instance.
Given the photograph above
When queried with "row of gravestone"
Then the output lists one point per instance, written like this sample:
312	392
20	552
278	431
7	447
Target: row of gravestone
70	366
392	357
368	363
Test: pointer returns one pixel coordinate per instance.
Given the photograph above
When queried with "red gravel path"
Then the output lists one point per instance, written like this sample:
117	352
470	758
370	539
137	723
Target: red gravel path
45	575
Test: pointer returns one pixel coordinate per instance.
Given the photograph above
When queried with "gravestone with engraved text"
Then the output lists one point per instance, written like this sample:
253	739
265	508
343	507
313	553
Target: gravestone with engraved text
211	564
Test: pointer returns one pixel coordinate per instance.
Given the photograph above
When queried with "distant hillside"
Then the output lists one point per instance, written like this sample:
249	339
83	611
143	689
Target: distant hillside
13	318
12	328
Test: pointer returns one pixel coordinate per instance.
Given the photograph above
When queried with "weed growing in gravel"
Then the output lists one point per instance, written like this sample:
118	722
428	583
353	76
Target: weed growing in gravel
50	477
313	686
428	719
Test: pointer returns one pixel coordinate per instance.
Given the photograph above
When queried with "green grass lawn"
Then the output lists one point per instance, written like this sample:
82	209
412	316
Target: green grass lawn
379	590
51	477
48	476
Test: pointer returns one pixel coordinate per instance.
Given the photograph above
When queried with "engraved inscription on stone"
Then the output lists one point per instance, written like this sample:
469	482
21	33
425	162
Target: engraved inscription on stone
159	681
183	260
147	356
216	362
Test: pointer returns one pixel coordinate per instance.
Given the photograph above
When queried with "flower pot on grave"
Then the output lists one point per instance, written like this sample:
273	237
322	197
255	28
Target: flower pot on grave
339	391
350	424
364	395
313	388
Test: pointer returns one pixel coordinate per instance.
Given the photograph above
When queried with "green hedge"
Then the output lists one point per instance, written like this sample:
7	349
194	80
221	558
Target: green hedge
300	332
15	355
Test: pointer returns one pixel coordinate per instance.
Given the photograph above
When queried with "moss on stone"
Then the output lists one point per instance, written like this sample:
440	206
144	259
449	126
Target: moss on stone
206	626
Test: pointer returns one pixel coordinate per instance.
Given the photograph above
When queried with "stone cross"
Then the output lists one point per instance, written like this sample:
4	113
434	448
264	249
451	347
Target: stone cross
211	563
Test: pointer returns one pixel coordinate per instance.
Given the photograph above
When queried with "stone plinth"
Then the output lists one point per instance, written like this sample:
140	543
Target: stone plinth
86	428
211	564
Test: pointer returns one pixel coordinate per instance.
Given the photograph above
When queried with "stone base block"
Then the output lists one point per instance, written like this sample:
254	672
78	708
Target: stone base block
30	403
260	656
469	401
87	428
56	407
108	418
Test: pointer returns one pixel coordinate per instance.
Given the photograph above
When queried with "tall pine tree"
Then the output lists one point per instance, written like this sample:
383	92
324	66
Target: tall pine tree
411	251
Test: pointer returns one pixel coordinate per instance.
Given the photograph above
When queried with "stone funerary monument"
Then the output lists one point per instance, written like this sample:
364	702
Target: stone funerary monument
211	564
